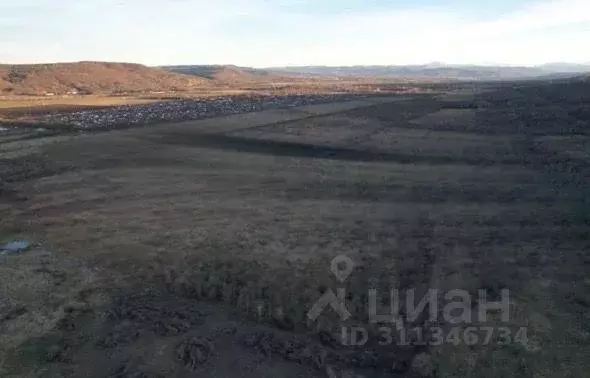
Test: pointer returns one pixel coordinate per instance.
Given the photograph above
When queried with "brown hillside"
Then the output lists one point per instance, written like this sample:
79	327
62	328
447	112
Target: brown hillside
91	78
229	74
223	74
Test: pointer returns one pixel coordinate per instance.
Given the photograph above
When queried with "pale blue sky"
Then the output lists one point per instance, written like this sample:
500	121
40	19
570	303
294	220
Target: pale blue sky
295	32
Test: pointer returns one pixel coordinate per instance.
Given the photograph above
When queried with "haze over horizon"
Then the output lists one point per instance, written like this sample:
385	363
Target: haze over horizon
268	33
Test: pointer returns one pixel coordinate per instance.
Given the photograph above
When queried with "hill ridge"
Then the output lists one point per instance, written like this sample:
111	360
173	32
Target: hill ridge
89	77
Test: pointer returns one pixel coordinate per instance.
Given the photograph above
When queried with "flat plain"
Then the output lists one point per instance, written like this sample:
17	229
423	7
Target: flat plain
197	248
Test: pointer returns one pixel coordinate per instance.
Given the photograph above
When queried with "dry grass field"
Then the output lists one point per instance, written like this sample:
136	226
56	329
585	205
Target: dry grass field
197	248
15	108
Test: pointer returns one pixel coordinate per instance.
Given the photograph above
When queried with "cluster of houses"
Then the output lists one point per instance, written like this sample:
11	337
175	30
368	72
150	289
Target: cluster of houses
181	110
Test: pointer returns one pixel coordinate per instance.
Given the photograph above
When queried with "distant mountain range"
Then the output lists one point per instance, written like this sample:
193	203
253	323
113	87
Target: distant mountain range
118	78
567	67
438	70
427	71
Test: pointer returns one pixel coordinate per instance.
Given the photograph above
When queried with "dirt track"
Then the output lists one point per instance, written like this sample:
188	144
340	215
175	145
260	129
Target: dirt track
199	247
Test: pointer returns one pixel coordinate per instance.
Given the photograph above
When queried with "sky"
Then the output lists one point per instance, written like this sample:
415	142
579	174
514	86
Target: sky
270	33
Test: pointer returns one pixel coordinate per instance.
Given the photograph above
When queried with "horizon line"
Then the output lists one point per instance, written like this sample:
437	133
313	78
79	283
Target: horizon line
430	63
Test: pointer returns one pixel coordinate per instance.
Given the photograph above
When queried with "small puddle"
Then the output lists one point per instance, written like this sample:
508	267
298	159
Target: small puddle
13	247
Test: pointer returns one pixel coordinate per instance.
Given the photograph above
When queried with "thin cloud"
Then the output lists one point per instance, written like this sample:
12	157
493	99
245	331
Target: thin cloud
281	32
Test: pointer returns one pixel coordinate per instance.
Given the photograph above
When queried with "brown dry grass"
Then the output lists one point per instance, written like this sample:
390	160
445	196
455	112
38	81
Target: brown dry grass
15	107
249	210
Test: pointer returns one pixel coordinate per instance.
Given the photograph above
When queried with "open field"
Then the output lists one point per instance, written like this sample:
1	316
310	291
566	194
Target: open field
141	111
18	106
197	248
